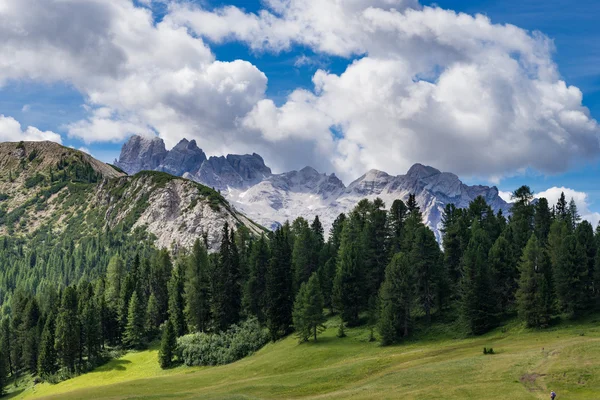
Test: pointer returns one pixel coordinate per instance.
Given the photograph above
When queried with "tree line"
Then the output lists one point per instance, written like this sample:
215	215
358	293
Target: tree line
383	268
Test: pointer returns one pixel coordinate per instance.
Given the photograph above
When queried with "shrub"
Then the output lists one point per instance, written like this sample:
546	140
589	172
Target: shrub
222	348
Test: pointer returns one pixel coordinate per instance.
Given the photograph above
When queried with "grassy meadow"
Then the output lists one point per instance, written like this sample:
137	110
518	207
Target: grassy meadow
527	365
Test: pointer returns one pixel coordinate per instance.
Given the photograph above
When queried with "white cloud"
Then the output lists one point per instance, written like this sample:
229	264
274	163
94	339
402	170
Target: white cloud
11	131
430	85
26	108
581	200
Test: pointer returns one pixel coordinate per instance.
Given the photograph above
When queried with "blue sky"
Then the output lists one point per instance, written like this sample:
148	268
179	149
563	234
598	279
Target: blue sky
573	29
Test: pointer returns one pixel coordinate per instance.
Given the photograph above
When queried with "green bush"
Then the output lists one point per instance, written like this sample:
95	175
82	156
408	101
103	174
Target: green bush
222	348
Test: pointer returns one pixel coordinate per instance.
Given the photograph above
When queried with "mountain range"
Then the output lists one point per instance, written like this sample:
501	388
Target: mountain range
271	199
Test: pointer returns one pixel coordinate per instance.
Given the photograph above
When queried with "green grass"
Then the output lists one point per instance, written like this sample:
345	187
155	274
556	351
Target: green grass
527	365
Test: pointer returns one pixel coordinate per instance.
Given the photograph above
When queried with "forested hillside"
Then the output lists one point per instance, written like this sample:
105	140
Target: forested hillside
379	268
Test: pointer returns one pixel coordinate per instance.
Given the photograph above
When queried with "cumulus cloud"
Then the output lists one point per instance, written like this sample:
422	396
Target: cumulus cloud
581	200
11	131
428	85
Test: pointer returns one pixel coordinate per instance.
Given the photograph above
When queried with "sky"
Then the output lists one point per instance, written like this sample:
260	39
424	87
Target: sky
503	93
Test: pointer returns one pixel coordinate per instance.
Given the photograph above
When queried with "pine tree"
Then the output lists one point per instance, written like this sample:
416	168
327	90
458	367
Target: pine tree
349	284
504	274
425	257
453	245
396	299
255	295
573	215
226	291
3	369
570	276
522	218
197	289
160	273
317	228
534	295
279	287
47	362
30	334
305	254
92	329
542	220
376	246
561	208
587	243
168	345
5	345
133	337
153	318
308	315
115	274
396	219
477	306
176	304
68	330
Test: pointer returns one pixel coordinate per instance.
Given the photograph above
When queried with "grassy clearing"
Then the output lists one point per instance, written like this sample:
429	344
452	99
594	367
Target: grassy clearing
527	365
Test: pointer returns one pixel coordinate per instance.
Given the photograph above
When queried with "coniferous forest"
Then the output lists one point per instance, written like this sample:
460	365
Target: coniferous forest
68	306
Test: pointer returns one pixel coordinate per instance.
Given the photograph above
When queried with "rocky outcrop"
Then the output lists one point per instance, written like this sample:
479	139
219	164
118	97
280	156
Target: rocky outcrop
141	154
186	156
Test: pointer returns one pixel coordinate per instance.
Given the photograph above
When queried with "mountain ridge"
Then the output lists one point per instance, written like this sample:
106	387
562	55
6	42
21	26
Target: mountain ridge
271	199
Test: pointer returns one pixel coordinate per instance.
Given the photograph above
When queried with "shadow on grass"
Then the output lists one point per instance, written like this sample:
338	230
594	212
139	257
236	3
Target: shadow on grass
12	395
114	365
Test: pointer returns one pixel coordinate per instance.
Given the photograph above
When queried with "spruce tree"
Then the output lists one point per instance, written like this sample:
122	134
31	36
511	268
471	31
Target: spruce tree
255	295
153	318
349	284
398	213
425	257
47	362
307	314
522	218
168	345
3	373
226	291
477	306
115	274
305	254
587	244
542	220
176	304
534	294
68	330
133	337
5	344
570	276
160	273
279	287
504	274
396	299
197	289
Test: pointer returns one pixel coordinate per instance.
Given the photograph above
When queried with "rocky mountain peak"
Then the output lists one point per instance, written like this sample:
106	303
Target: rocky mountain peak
420	171
186	156
141	153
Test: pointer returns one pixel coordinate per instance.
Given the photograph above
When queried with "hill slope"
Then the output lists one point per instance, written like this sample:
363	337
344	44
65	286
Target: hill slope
44	185
528	364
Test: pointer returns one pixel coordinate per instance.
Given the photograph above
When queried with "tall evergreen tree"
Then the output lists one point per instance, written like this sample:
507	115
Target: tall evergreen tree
504	274
305	255
396	299
68	330
307	314
279	287
255	293
160	273
47	362
5	344
349	284
197	289
522	217
534	294
153	318
425	258
226	292
542	220
398	213
570	276
176	304
587	244
168	344
477	307
133	337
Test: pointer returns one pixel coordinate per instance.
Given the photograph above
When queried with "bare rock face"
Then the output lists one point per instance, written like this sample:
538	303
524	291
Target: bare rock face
186	156
141	154
175	210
